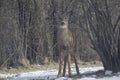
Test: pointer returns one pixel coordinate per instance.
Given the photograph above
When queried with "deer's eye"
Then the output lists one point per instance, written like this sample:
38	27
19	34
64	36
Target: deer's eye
62	23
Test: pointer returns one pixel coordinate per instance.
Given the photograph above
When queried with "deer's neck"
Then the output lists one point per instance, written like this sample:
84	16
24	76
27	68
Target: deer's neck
65	30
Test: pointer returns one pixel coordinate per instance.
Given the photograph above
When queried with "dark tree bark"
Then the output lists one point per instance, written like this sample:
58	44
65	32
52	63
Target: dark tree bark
103	34
28	30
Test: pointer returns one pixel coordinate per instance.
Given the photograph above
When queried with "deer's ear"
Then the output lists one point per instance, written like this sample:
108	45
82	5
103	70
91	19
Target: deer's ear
60	17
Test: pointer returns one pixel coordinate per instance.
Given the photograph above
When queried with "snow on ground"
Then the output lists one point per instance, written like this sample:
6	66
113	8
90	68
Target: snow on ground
6	75
52	74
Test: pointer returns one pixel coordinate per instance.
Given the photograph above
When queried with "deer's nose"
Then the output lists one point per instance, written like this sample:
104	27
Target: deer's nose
62	23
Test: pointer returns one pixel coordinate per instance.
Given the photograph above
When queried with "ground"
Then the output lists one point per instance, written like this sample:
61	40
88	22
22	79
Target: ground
46	73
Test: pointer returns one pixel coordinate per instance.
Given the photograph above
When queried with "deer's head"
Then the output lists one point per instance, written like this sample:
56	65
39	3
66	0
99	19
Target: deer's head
64	22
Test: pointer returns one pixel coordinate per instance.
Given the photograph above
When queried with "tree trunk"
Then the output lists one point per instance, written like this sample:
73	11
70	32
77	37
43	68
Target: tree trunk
103	34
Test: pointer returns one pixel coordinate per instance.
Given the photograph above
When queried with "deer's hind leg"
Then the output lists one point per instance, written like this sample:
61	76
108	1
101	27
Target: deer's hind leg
76	65
69	65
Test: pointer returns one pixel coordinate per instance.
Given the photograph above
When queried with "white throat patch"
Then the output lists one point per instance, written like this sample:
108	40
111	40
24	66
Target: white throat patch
64	26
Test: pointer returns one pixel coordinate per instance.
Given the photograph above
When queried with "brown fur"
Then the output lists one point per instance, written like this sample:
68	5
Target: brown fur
67	44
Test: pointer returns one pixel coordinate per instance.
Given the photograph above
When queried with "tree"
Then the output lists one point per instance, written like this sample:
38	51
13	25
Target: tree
28	30
104	35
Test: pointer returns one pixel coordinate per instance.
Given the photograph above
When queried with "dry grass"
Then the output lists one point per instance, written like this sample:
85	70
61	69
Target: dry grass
90	64
2	79
46	67
29	68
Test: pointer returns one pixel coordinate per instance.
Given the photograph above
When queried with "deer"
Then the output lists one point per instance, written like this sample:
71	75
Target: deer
67	45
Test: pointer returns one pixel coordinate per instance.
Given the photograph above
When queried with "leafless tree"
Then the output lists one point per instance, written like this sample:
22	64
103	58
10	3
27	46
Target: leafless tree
104	35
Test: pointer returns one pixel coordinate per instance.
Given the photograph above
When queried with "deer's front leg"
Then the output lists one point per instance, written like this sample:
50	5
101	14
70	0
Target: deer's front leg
64	68
60	65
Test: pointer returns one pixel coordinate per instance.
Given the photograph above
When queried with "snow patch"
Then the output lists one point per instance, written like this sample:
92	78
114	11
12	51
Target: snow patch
63	78
52	75
7	75
87	79
118	73
108	72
